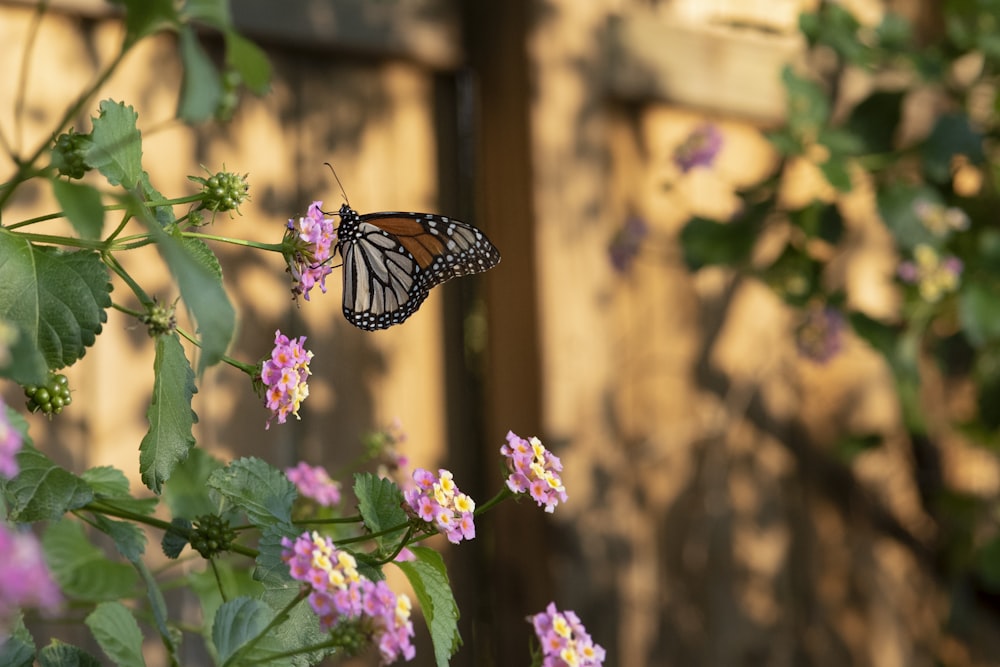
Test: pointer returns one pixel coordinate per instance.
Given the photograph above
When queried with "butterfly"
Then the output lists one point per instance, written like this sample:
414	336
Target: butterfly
393	259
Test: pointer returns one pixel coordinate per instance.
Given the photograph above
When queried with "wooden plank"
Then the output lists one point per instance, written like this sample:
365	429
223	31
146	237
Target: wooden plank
724	69
424	31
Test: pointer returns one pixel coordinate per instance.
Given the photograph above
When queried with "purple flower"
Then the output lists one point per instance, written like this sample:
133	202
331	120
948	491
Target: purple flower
10	444
25	580
340	593
314	482
309	246
564	640
437	500
820	336
699	149
627	243
534	470
284	377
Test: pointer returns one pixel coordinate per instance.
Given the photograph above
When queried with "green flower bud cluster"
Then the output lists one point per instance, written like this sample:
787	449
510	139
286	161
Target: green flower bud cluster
223	191
211	535
51	397
68	154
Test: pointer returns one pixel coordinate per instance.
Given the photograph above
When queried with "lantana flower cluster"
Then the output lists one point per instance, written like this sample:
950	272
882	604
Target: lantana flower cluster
340	593
534	470
314	482
284	376
437	500
699	149
940	220
820	336
312	240
564	640
935	276
25	580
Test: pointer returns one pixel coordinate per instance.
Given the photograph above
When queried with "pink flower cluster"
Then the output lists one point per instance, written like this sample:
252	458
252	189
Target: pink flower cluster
314	482
437	500
10	445
25	580
339	593
699	149
565	642
284	375
534	470
313	240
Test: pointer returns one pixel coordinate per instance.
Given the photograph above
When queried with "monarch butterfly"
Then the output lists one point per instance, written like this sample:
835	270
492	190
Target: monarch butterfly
393	259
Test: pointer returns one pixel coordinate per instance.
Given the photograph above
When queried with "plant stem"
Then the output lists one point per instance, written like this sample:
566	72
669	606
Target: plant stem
273	247
280	617
503	494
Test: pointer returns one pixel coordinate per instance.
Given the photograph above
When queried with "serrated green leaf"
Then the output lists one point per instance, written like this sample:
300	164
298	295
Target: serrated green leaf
128	537
57	299
257	488
43	490
82	205
116	150
299	629
203	254
17	649
270	568
381	505
115	629
80	568
24	363
187	492
111	486
236	623
58	654
250	61
429	578
162	215
201	88
173	543
201	291
171	419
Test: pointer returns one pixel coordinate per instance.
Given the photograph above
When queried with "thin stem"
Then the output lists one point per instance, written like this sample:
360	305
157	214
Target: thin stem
368	536
69	241
495	500
332	643
273	247
22	81
402	545
319	522
115	266
218	580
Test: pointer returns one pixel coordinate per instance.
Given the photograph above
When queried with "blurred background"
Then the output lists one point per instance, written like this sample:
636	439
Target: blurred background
713	518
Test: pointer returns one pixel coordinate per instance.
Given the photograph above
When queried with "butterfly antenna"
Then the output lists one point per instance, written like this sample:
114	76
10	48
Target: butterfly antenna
337	178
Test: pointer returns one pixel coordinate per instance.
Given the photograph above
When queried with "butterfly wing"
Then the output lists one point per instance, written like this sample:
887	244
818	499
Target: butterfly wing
393	259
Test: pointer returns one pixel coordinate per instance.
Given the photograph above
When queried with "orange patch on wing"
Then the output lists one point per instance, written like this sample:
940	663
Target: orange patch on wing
423	246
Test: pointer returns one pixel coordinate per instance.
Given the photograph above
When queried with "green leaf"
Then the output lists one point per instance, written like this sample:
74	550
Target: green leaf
237	622
429	578
209	583
82	205
882	337
173	543
849	447
145	17
170	415
43	490
213	12
17	649
58	654
187	492
381	505
299	629
202	292
201	88
707	242
840	142
57	299
116	150
876	119
836	173
203	254
169	634
128	537
808	106
24	363
978	312
257	488
953	134
81	569
116	631
162	215
111	486
270	568
250	61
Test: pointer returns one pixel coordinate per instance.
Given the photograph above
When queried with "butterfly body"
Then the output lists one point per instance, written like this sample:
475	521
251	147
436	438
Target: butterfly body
393	259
